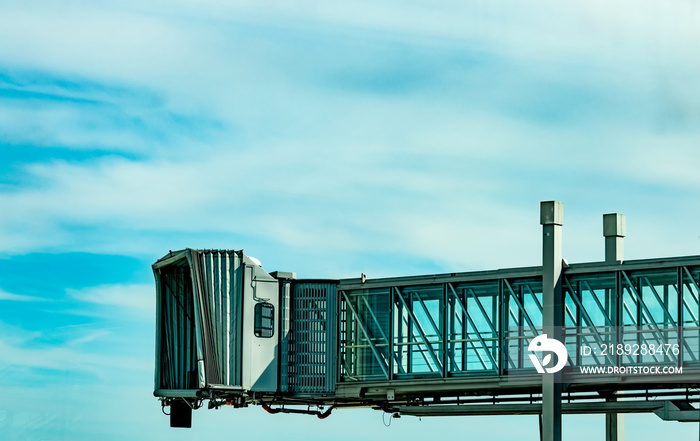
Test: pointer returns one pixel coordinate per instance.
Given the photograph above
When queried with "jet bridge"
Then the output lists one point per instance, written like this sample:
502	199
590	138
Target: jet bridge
229	333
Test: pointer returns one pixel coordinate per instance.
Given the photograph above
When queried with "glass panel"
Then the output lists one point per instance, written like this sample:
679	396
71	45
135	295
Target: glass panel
591	300
366	349
690	314
524	297
264	320
422	308
655	297
473	325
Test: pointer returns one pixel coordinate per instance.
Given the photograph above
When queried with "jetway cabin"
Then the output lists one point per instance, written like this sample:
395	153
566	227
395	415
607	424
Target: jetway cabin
216	324
224	332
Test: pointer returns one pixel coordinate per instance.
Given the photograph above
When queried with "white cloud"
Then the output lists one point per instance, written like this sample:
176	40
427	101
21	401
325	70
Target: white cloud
76	350
613	33
4	295
316	165
58	126
446	193
200	51
139	299
67	358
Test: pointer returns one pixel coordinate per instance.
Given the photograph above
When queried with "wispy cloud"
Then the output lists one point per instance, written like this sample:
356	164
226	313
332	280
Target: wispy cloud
4	295
134	299
68	359
55	111
95	349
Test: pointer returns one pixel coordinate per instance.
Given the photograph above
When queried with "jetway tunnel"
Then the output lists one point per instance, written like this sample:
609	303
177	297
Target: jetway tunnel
230	333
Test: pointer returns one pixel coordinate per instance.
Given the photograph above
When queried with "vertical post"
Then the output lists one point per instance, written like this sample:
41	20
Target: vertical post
392	321
502	329
444	310
614	230
552	219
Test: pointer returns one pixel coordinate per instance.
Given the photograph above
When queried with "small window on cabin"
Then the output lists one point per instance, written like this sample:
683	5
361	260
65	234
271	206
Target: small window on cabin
264	320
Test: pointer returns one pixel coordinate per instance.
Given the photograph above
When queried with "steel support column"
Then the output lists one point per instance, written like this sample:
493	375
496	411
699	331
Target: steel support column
614	229
552	219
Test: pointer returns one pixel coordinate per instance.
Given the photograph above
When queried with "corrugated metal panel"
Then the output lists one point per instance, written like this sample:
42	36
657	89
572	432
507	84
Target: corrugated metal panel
218	281
312	338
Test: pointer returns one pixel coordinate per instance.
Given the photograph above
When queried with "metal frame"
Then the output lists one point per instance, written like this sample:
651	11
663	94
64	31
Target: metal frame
418	340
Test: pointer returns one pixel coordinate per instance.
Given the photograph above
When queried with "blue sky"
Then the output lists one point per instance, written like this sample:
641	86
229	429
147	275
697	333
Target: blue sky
327	138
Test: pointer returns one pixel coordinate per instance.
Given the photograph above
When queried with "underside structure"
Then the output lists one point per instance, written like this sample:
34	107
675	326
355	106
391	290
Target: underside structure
229	333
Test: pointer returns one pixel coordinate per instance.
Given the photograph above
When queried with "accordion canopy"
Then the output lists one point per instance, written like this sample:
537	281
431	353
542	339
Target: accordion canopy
199	336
